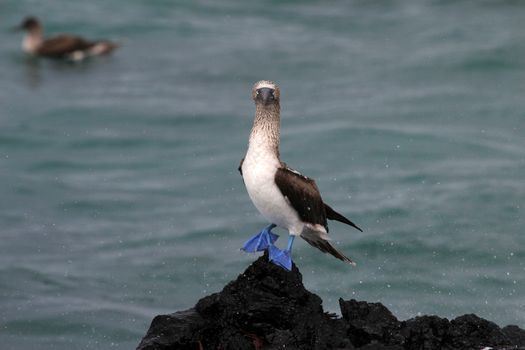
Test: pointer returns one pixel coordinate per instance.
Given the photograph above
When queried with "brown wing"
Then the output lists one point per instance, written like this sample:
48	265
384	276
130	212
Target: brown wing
63	45
303	194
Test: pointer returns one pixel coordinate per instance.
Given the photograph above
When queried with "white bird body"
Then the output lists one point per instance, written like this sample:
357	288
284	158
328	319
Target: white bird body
282	195
259	168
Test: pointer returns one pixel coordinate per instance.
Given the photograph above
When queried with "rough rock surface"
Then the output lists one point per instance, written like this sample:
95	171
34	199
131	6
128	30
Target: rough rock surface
267	307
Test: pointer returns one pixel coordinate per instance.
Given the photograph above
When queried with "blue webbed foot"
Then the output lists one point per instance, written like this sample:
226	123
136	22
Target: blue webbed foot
281	258
261	241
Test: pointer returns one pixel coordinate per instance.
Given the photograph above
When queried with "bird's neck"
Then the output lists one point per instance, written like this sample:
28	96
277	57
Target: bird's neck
265	132
33	40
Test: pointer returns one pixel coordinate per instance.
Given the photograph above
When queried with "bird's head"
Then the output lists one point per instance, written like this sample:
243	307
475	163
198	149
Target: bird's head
29	23
266	93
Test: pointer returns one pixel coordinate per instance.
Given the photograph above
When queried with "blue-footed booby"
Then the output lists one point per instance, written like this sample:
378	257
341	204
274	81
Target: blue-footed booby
63	46
282	195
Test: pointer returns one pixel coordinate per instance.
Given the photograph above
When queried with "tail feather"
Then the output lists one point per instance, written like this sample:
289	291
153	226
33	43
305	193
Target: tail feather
333	215
103	47
319	240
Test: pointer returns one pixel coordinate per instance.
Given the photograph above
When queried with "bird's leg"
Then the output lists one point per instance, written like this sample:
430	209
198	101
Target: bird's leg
290	243
282	258
261	241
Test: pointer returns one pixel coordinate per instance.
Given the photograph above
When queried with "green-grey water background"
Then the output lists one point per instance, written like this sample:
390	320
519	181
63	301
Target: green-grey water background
120	197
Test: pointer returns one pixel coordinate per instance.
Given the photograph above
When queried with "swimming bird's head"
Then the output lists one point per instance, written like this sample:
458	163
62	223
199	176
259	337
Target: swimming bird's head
30	24
266	93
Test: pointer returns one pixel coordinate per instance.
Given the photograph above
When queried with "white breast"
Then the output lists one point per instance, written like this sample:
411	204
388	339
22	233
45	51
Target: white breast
31	43
259	170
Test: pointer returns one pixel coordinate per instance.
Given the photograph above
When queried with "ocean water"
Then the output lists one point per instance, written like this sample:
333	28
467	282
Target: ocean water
119	192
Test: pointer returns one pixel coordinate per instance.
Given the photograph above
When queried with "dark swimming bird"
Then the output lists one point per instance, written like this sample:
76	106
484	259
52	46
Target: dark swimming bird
63	46
282	195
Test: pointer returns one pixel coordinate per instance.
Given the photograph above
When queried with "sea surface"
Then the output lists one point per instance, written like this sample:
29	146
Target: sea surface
119	192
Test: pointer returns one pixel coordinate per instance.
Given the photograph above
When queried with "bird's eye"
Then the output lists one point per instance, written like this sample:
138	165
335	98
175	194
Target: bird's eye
257	92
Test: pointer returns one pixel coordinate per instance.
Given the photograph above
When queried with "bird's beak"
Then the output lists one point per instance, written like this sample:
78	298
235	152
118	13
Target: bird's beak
266	95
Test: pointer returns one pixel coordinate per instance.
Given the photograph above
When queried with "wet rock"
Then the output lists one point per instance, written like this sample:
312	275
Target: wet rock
473	331
271	306
370	322
515	334
176	331
267	307
425	332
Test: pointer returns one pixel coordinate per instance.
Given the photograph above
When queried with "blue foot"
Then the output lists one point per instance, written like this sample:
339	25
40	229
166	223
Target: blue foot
281	258
261	241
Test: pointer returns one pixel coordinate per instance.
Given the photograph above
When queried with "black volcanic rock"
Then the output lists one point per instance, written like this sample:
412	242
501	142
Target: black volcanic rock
471	330
180	330
370	323
515	334
267	307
